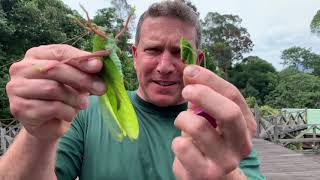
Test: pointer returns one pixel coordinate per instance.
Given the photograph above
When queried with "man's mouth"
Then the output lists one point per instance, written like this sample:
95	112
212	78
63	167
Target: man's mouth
165	83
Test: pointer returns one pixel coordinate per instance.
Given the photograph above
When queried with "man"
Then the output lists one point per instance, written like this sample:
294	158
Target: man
48	105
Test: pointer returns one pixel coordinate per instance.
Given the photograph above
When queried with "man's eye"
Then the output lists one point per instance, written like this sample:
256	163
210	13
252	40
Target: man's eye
176	52
151	50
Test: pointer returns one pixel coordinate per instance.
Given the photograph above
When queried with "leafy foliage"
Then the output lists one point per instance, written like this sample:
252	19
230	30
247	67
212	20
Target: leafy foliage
254	77
315	24
251	101
225	39
295	147
302	59
39	22
267	110
295	90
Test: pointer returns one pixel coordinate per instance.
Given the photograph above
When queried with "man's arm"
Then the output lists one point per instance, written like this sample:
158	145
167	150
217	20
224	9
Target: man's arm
45	102
29	158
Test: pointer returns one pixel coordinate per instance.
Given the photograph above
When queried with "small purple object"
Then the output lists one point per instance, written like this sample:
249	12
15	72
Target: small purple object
200	112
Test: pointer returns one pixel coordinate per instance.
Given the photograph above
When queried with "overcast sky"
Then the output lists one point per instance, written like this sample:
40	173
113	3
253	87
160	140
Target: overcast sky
274	25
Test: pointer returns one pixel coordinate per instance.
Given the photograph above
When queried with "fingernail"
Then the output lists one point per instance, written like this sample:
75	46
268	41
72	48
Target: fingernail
84	102
92	63
191	71
187	91
98	87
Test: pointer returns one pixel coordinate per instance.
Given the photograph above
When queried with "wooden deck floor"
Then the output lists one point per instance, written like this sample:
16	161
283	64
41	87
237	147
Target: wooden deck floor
279	163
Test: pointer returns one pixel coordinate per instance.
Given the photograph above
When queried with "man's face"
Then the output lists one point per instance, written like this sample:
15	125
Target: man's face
157	60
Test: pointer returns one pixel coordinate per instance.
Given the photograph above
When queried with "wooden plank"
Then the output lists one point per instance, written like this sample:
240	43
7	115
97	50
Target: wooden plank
290	129
300	140
279	163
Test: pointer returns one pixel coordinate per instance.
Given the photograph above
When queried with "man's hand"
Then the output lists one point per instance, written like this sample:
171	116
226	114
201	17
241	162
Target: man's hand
205	152
45	102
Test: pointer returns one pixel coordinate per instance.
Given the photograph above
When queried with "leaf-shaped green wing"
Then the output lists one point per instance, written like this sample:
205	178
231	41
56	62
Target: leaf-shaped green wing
124	120
187	53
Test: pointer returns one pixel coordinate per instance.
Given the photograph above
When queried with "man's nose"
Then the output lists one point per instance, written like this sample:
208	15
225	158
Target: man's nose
166	63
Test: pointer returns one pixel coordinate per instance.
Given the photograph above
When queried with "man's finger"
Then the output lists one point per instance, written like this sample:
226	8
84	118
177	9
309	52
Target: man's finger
179	171
228	114
200	130
194	74
58	52
63	73
47	90
62	52
192	159
37	112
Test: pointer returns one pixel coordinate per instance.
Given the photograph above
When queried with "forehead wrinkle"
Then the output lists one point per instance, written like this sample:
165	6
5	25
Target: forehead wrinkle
160	41
169	36
149	42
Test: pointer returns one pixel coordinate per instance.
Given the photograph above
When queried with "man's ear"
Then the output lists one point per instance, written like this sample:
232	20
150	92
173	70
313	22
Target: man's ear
200	57
134	51
134	54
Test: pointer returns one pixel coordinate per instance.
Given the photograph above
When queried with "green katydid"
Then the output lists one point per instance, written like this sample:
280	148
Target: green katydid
188	54
115	101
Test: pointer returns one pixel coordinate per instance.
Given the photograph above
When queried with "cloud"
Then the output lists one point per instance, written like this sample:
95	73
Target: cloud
280	37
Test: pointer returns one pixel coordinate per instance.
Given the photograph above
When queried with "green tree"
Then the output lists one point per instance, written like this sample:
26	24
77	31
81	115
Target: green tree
37	22
224	39
267	110
315	24
254	77
218	58
295	90
302	59
251	101
24	24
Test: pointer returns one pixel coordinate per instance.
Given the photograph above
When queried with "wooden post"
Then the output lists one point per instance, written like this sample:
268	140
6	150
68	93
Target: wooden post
258	120
306	116
314	135
3	144
275	130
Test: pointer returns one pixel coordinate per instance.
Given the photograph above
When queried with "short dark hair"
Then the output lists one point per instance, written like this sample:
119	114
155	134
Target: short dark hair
172	8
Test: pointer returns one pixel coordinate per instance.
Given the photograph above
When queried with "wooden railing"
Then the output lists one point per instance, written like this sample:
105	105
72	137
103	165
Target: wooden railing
288	128
8	130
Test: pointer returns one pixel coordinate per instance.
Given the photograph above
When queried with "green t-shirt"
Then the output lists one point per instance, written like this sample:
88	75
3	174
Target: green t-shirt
89	151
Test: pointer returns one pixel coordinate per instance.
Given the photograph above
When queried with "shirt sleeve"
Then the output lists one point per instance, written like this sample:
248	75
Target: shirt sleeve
251	166
70	151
